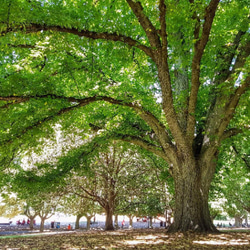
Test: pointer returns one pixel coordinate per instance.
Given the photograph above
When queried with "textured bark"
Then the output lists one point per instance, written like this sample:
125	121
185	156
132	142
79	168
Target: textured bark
131	221
31	223
191	199
116	221
77	224
42	224
238	221
109	219
88	222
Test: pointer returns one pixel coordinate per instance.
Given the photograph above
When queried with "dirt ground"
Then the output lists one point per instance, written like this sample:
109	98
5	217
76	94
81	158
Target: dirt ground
125	239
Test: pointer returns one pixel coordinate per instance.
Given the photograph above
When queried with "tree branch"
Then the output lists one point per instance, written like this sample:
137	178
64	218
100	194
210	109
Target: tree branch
23	46
199	48
229	55
148	117
12	101
163	31
231	105
144	144
146	24
231	132
33	27
244	52
242	158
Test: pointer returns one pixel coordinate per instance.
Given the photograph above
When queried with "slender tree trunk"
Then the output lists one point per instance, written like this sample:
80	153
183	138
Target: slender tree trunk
109	219
192	183
42	224
246	220
31	223
88	222
116	221
150	221
131	220
77	224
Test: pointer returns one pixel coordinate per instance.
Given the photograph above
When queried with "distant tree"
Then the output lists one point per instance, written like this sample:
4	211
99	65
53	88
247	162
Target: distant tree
10	206
234	175
146	194
80	207
109	177
31	214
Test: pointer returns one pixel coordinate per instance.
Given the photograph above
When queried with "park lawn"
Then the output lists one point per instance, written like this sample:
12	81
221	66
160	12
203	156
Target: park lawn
128	239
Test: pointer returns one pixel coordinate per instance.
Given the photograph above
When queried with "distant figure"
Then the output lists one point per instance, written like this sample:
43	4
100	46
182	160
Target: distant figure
52	224
28	221
23	222
123	223
230	224
69	227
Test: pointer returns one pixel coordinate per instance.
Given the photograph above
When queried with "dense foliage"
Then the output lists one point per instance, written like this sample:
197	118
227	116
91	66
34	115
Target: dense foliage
169	76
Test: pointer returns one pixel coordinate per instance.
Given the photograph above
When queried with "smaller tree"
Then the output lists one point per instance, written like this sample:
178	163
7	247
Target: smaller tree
43	205
31	214
80	207
234	178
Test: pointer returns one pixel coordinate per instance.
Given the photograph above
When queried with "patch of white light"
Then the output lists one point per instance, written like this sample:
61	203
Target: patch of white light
221	242
149	239
232	64
238	81
53	149
159	99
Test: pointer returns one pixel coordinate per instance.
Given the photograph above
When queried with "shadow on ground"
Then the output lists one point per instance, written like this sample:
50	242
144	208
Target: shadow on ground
126	239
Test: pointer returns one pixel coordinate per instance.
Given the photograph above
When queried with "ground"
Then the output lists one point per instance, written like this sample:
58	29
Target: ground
125	239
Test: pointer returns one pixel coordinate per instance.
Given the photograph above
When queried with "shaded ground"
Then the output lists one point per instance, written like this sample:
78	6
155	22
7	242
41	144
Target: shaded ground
126	239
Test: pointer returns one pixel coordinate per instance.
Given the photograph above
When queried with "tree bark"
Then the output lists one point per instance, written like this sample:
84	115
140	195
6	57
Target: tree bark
116	221
192	183
88	222
150	222
109	219
131	220
238	221
77	224
32	222
42	224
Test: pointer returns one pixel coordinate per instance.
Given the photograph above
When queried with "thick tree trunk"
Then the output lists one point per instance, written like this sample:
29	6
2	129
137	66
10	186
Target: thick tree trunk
116	221
238	221
109	219
31	223
191	211
77	224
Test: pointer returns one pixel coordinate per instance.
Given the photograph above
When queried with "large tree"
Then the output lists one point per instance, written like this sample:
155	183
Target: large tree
167	75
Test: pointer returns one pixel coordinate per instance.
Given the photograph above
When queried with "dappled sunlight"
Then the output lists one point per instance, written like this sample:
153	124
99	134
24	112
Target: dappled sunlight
234	239
147	239
127	239
220	242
